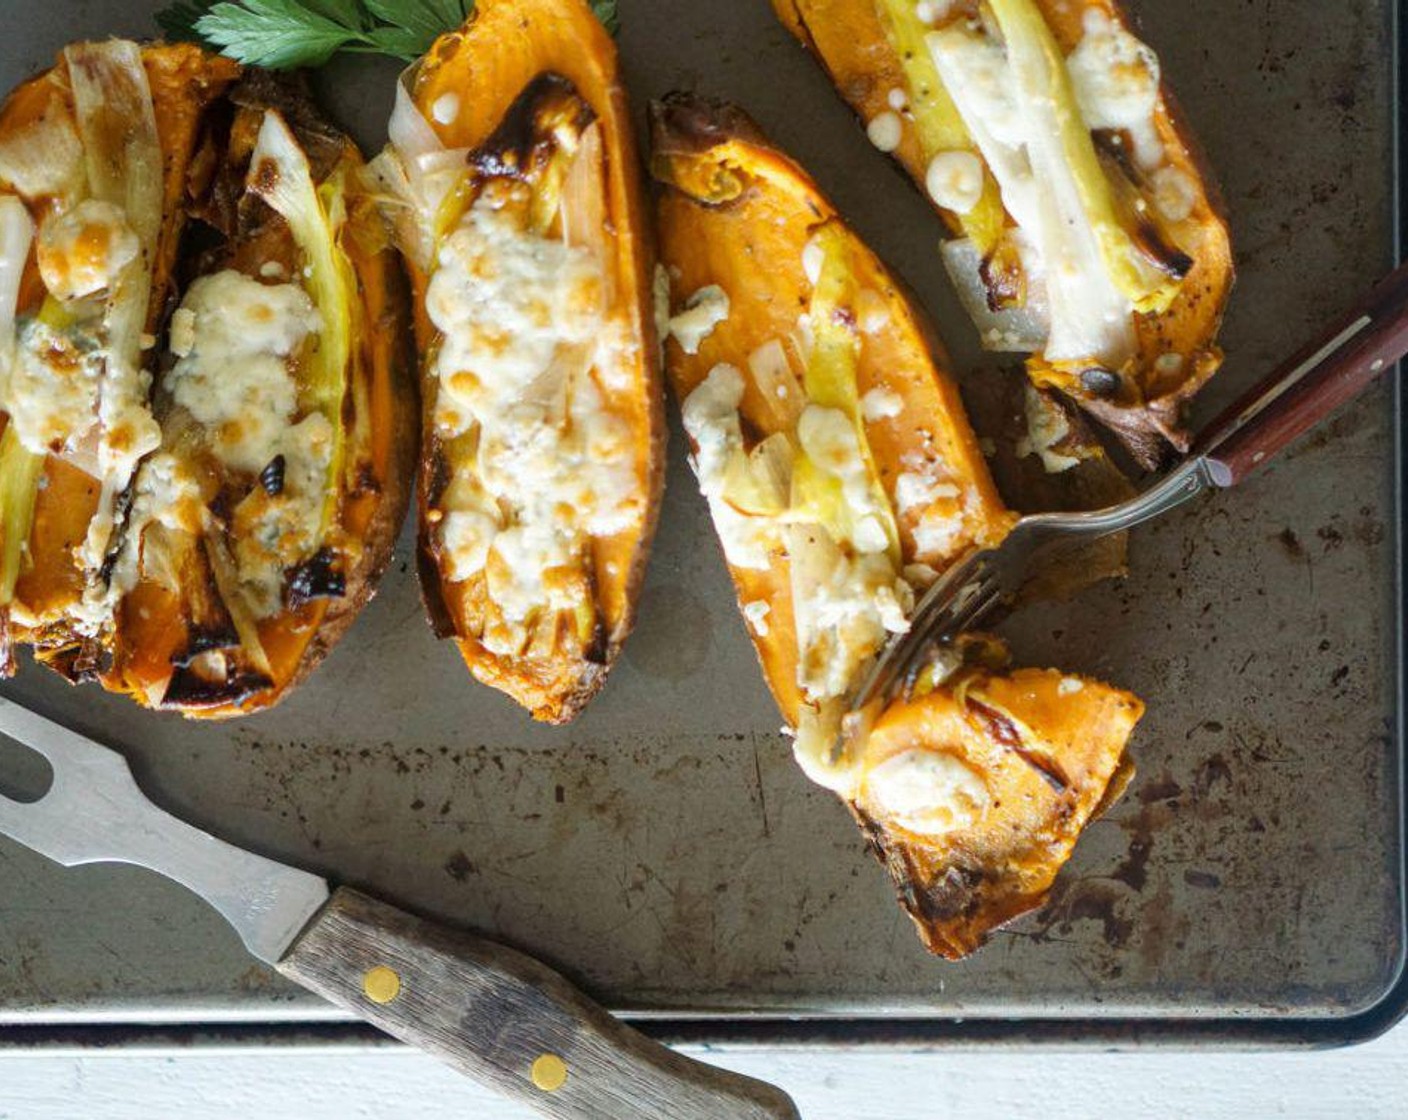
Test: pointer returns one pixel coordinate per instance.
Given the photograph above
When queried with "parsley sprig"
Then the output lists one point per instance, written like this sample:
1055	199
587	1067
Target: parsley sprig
283	34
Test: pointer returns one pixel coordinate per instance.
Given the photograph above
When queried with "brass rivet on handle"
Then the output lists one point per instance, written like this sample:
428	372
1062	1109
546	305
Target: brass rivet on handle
549	1072
381	984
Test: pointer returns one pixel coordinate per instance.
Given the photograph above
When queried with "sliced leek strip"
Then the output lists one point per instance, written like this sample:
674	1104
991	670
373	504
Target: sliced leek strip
280	175
830	381
936	118
1040	70
20	471
124	167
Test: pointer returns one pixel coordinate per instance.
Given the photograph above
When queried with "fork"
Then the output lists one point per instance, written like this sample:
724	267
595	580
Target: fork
1299	393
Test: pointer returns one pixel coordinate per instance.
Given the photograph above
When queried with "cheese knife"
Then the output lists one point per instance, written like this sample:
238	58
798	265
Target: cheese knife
492	1012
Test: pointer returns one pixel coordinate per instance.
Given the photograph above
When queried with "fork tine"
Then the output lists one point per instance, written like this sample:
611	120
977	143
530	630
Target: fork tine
945	590
948	623
979	604
964	581
23	726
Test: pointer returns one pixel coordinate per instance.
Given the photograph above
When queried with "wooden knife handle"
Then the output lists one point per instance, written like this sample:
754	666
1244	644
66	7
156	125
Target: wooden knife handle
1311	384
507	1020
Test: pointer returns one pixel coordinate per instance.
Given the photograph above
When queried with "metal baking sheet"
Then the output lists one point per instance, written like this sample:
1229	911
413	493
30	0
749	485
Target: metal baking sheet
665	850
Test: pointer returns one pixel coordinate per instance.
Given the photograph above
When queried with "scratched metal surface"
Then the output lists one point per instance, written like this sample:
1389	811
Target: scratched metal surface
665	851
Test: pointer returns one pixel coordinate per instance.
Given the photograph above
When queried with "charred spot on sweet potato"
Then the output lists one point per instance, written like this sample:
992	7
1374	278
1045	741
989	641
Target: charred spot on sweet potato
190	689
953	894
202	640
77	662
1001	729
321	576
528	134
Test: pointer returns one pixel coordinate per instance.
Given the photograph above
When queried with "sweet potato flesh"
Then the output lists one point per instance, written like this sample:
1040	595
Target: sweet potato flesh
530	94
1163	239
1038	751
175	632
183	81
737	214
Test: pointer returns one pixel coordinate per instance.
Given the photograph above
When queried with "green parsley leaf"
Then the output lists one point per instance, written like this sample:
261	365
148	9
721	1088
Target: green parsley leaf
400	42
283	34
605	11
278	34
427	18
178	22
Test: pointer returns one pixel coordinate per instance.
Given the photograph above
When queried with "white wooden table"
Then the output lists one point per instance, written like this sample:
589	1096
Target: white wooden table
1364	1083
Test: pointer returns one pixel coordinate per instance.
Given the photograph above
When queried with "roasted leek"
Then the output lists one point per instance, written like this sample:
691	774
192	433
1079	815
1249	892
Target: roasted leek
1084	226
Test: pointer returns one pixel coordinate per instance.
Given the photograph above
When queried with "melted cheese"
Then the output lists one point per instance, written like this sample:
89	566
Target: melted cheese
703	311
446	109
829	439
872	312
165	493
64	382
1175	193
82	251
757	613
272	533
926	494
239	337
927	792
712	423
521	324
845	606
954	180
885	131
660	306
1047	426
931	11
237	342
813	255
881	404
51	394
1116	83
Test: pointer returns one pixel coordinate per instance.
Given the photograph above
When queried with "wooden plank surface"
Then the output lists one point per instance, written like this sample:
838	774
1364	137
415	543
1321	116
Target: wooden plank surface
1365	1083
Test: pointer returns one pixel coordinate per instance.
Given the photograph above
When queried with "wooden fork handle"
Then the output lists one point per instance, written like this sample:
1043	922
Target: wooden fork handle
1310	385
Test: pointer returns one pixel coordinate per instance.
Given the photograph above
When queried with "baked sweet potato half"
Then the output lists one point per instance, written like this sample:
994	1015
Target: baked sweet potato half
512	187
842	476
210	420
1084	226
973	791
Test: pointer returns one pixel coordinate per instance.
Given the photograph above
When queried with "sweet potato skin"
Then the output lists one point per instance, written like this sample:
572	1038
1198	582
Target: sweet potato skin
1147	411
485	66
190	90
